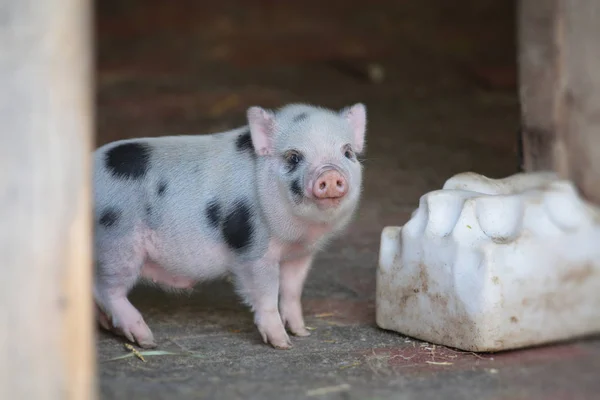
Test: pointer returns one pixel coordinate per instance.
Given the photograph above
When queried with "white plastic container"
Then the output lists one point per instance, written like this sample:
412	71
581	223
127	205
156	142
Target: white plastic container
490	265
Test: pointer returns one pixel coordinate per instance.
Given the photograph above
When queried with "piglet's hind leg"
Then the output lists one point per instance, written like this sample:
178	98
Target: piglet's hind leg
119	265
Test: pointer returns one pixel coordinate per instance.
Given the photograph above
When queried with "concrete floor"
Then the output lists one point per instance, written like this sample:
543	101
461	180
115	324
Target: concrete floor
448	104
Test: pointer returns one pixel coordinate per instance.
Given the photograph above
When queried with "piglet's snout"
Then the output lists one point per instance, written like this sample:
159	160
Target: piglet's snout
330	185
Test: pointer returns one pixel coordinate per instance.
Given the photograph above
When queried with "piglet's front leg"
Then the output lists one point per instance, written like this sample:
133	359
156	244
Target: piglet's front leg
259	285
291	282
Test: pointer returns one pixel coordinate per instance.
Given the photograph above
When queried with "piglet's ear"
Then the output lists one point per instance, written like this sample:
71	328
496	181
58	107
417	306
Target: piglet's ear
356	115
262	129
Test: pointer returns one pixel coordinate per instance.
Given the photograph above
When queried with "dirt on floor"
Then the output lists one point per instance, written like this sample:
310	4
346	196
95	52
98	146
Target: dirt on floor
439	82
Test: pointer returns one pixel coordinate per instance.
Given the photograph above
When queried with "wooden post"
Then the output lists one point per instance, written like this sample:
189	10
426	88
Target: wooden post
46	114
538	73
577	154
559	61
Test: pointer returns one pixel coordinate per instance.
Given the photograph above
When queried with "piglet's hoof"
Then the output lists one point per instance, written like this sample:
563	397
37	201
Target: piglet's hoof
282	345
103	320
300	332
280	342
139	333
145	340
145	344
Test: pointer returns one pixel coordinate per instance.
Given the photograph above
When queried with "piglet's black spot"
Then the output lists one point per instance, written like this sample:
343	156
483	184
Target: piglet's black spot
300	117
128	160
213	214
161	189
296	189
109	217
237	226
148	210
243	143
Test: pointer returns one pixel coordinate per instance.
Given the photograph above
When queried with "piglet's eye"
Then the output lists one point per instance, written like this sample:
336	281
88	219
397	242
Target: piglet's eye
348	153
293	157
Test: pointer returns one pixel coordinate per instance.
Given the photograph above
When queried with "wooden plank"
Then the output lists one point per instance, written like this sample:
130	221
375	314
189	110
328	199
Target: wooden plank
538	77
559	73
46	340
578	110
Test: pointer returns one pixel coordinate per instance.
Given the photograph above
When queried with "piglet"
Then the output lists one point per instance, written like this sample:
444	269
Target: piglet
256	202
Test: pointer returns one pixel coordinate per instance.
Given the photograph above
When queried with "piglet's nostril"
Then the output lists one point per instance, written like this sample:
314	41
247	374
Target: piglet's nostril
322	185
